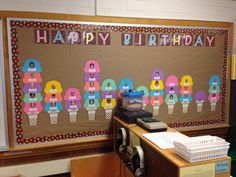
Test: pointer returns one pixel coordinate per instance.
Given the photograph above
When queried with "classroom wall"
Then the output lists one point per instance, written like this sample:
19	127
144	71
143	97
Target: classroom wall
211	10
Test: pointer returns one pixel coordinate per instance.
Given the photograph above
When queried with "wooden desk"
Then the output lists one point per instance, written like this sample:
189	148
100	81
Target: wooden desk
101	165
164	163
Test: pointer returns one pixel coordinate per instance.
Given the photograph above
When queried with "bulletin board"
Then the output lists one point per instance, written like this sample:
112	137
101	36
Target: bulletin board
3	111
182	70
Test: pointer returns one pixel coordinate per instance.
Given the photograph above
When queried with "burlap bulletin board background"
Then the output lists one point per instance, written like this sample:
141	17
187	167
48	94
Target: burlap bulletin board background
65	64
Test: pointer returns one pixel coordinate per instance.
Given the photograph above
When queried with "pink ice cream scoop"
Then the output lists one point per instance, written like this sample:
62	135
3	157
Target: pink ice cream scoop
145	100
156	100
186	90
33	108
214	97
172	81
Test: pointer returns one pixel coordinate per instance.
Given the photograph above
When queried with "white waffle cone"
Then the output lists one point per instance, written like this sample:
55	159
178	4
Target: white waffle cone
91	114
155	110
33	118
53	117
213	106
199	107
73	116
171	108
185	107
144	106
108	113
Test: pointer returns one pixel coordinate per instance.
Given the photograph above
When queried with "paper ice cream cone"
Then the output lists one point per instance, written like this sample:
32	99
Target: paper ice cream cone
199	107
144	106
155	109
33	118
171	108
185	107
108	113
53	117
91	114
213	106
73	116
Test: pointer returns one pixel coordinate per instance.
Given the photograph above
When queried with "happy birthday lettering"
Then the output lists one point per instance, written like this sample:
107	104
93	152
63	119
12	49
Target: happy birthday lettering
43	36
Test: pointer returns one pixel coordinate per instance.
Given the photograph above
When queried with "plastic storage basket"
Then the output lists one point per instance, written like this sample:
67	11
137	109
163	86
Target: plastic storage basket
201	148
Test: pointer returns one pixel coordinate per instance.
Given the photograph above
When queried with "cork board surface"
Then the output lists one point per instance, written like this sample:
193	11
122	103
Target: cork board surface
65	63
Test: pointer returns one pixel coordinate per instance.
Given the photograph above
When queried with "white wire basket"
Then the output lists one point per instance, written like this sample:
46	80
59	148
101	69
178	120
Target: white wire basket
201	148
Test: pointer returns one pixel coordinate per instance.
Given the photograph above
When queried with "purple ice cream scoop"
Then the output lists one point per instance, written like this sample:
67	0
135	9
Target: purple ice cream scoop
27	88
172	90
200	96
75	104
109	94
91	77
157	74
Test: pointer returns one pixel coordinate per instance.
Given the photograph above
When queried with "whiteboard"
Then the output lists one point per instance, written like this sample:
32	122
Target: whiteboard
3	112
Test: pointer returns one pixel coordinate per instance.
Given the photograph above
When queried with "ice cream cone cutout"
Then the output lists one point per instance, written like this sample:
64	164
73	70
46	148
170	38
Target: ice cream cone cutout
186	92
91	88
171	100
32	110
72	98
214	91
200	98
53	100
213	98
171	90
156	101
108	97
108	105
156	93
32	89
53	109
185	100
91	106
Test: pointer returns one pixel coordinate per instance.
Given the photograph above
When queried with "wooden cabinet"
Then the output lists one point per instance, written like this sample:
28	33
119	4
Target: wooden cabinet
164	163
102	165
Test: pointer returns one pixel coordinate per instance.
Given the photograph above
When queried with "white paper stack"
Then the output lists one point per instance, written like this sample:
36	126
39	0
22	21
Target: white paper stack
164	140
